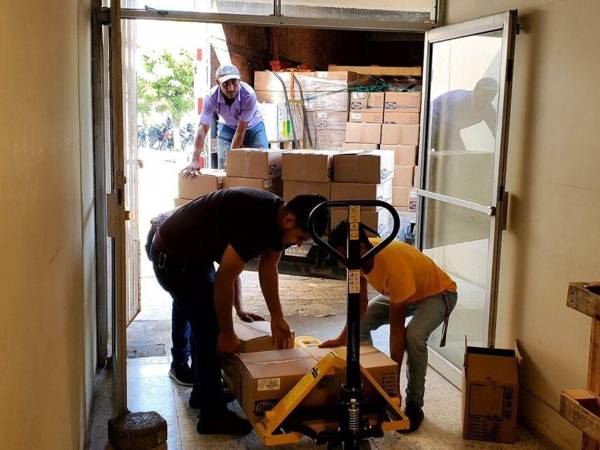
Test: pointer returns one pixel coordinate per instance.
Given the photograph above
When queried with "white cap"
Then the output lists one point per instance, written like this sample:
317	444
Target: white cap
227	72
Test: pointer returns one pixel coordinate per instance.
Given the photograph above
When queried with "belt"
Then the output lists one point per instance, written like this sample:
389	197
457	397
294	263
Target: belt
446	318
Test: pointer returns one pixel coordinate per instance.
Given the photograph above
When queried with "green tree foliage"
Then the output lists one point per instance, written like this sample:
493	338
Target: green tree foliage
166	85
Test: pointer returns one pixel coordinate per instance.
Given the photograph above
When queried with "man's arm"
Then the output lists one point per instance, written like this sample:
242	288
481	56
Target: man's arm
342	338
192	169
268	277
397	330
238	137
229	269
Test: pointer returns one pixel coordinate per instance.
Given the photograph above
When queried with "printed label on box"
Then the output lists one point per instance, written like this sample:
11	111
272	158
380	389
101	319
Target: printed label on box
269	384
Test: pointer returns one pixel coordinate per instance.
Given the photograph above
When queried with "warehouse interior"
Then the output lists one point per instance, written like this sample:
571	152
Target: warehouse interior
49	326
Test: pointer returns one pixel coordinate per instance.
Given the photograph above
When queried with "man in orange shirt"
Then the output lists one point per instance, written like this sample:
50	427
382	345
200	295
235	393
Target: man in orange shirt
410	284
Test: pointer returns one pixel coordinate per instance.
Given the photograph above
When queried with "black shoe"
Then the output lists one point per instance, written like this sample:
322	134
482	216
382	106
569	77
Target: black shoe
415	415
182	374
223	422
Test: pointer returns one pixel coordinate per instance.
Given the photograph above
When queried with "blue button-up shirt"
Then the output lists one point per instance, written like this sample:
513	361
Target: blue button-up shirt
242	109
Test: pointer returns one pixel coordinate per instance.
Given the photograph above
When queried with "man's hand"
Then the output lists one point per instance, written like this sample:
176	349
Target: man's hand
192	170
249	316
339	341
228	343
281	334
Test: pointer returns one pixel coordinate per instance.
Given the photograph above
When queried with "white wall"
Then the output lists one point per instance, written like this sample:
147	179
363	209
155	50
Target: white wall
47	229
553	231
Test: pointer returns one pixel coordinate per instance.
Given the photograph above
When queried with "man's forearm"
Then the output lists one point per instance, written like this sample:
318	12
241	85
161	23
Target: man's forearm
237	295
269	285
238	139
223	298
199	142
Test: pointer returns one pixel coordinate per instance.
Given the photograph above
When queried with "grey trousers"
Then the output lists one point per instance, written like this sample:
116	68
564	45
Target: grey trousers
427	314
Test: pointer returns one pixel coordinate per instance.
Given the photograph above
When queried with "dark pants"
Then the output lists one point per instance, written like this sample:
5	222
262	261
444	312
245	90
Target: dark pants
181	335
191	285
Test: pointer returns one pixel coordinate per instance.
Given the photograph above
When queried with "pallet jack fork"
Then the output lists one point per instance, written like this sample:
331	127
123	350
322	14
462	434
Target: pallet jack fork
354	426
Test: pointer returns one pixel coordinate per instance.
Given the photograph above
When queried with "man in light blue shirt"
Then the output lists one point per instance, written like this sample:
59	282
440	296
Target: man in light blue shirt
240	123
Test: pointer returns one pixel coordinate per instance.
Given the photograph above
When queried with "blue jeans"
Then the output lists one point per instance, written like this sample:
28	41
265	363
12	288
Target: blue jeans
427	314
181	334
255	137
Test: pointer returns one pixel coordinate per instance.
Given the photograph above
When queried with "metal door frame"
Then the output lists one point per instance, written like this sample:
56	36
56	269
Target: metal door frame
506	22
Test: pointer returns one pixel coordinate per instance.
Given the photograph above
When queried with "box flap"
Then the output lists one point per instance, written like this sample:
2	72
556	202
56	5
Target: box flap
277	363
247	331
499	365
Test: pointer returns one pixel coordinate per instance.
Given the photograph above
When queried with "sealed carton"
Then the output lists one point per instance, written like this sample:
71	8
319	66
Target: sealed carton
333	120
401	195
404	155
403	118
254	163
265	80
367	166
403	101
367	101
293	188
393	134
490	394
403	176
326	138
270	185
361	191
356	146
363	133
365	117
307	165
208	180
379	220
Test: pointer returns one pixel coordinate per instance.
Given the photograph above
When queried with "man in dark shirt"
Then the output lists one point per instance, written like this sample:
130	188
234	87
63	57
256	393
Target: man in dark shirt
230	227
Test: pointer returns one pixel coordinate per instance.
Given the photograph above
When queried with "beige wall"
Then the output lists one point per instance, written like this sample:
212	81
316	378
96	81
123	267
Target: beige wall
553	235
47	229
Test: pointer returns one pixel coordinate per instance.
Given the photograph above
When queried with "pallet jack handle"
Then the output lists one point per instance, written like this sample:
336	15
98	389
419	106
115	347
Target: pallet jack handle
341	203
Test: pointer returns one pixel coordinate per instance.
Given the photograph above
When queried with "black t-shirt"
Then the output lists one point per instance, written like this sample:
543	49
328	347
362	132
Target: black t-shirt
246	218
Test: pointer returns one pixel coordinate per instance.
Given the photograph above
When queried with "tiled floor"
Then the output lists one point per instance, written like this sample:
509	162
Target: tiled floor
150	388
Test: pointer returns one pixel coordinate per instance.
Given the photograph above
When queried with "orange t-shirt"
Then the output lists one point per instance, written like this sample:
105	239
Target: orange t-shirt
404	274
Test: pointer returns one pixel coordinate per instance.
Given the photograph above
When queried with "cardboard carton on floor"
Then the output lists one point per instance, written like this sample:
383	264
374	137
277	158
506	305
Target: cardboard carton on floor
403	118
367	166
393	134
270	185
365	117
404	155
403	101
208	180
254	163
361	191
307	165
363	133
367	101
403	176
490	394
292	188
357	146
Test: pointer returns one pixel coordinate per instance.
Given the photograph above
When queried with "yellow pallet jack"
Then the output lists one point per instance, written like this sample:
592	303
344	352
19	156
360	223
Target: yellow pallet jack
353	424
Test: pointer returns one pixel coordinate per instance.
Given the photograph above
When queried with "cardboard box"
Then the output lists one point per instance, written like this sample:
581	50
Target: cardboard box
403	101
338	75
327	139
335	100
307	165
367	166
403	118
361	191
266	377
392	134
271	185
177	202
293	188
401	195
404	155
365	117
254	163
265	80
380	220
276	97
403	176
332	120
490	394
356	146
363	133
325	81
208	180
367	101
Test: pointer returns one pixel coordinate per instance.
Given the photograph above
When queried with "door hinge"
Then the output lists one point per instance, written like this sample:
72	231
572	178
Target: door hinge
504	196
103	16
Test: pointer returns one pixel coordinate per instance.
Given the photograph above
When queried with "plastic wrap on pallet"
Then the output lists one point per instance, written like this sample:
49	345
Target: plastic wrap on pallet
326	101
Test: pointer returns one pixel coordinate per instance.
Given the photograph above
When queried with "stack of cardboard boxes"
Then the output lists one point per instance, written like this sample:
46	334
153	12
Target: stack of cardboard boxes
363	130
307	172
208	180
400	133
256	168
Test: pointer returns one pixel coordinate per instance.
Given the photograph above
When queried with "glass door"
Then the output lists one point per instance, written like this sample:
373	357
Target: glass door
466	102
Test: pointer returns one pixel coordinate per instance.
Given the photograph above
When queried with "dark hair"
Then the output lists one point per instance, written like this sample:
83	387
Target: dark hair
339	235
301	207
